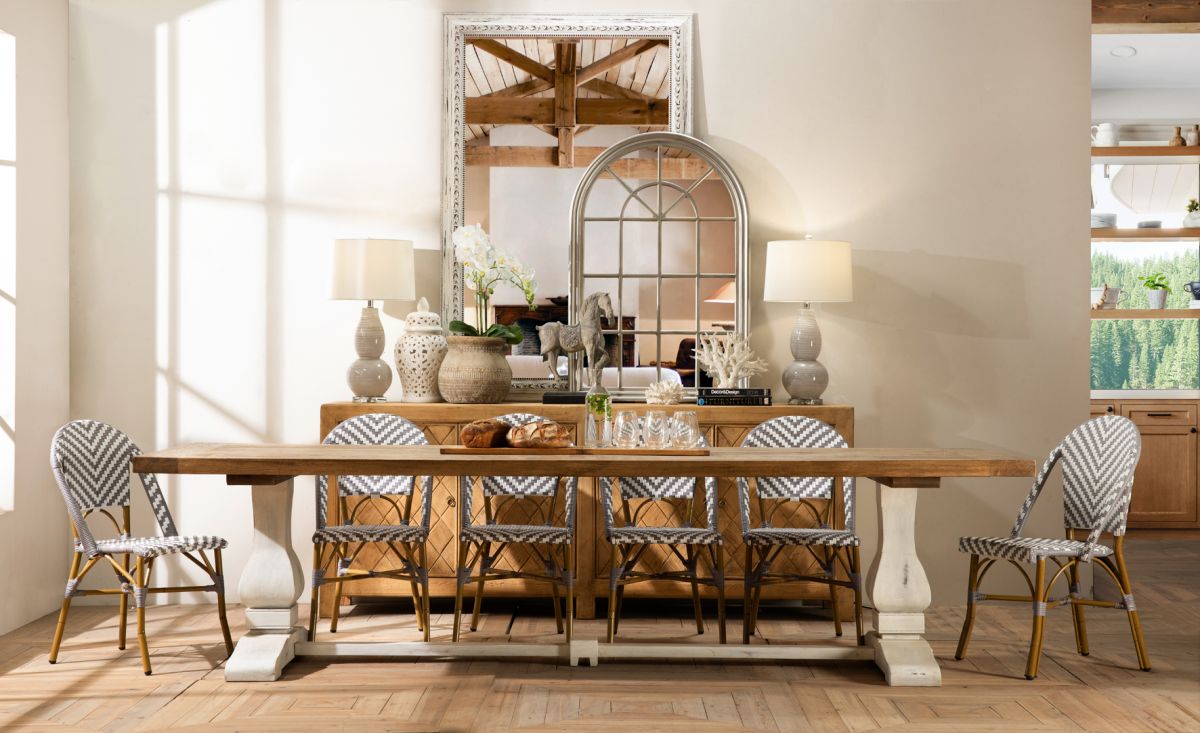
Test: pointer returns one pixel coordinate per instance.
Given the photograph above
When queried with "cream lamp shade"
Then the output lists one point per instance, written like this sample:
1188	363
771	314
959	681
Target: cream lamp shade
726	294
373	269
808	271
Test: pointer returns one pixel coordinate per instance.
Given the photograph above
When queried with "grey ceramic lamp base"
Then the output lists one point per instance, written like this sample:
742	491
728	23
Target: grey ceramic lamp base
805	379
369	376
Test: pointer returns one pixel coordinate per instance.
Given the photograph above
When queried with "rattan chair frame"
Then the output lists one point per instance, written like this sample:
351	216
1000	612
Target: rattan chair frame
477	557
800	432
411	556
133	581
1108	515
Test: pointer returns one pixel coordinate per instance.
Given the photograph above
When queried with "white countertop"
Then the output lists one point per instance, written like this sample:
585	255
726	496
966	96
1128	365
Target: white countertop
1146	394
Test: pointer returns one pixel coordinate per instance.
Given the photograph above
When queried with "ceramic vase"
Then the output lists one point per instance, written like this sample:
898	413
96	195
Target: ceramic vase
1156	298
1192	219
1192	136
419	354
475	370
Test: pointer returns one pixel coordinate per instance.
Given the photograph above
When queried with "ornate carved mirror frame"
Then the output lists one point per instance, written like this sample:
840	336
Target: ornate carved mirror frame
459	28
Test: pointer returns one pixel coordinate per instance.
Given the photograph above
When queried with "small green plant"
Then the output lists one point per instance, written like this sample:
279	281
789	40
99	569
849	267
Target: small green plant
1193	205
512	335
1157	281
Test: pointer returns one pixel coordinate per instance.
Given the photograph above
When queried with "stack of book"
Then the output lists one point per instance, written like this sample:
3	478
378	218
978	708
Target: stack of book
734	396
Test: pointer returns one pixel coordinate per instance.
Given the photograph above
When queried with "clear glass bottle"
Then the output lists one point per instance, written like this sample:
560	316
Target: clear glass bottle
598	419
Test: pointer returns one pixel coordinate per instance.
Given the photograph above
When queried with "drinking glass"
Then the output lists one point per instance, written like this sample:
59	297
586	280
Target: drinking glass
626	431
685	430
656	430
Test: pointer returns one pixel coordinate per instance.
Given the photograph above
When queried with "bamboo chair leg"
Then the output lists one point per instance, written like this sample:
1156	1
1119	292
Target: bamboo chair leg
569	571
1135	624
692	570
478	607
718	573
459	581
415	590
337	606
856	568
219	566
747	594
1039	620
833	596
423	557
140	576
337	588
555	596
614	580
1077	618
314	610
964	637
124	605
620	608
66	607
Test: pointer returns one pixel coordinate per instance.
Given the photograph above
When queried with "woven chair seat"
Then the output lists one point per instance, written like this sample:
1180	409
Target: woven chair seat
529	533
1026	549
800	536
664	536
156	546
369	533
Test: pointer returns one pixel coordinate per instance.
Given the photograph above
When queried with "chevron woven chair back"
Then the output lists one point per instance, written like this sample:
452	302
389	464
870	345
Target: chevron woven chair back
90	462
520	485
793	431
1098	460
370	429
658	488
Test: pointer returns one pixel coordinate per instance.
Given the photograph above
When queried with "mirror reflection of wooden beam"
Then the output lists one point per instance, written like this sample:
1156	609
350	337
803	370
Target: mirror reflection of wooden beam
608	89
1140	16
539	111
564	101
544	157
516	58
602	66
524	89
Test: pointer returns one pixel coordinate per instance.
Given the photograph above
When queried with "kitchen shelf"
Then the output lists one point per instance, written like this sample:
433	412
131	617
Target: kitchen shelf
1141	313
1161	154
1110	234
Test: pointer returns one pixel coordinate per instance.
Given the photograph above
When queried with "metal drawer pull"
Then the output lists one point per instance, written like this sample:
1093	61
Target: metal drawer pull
1160	414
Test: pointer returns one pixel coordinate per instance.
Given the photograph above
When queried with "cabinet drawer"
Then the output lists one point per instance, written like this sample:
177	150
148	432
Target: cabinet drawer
1150	415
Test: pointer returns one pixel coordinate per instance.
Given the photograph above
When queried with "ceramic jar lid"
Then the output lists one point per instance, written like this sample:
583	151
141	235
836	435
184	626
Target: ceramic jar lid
422	319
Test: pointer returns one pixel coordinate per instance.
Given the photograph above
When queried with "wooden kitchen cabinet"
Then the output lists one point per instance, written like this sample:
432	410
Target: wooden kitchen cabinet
1166	485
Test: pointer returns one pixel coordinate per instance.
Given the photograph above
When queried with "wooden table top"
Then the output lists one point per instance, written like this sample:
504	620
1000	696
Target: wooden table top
246	461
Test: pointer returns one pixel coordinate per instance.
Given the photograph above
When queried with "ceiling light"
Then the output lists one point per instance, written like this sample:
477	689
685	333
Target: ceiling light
1123	52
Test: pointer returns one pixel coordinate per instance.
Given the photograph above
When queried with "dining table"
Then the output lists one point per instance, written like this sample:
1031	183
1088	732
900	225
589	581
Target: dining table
273	580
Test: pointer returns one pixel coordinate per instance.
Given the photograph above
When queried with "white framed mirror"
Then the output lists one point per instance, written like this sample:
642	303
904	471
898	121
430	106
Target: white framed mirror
530	102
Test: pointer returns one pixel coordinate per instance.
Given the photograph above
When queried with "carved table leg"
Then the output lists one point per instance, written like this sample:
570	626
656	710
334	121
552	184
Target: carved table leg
269	587
900	590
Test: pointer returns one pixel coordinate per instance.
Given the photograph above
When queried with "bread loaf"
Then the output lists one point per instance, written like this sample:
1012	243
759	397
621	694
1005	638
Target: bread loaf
539	435
485	434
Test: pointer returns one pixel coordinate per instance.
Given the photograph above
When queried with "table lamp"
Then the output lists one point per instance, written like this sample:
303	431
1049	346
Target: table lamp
370	270
807	271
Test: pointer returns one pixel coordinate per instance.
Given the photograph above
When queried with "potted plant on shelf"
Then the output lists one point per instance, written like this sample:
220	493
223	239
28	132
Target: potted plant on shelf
1156	289
475	369
1192	218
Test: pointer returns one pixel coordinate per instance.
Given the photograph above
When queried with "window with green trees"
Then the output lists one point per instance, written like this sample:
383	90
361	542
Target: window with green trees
1149	353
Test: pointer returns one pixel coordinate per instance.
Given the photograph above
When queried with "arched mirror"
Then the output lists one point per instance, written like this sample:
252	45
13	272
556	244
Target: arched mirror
658	223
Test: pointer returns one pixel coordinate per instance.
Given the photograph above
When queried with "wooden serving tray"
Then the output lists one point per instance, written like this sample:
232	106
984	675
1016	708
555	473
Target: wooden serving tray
462	450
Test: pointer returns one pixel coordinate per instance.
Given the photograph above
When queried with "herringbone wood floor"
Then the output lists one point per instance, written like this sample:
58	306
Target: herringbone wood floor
95	687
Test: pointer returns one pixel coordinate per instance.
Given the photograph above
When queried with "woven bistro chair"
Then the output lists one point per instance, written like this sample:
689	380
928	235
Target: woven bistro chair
481	545
1098	460
674	495
390	495
90	461
825	544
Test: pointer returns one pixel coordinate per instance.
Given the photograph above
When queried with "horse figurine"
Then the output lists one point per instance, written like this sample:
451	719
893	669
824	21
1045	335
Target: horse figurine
559	338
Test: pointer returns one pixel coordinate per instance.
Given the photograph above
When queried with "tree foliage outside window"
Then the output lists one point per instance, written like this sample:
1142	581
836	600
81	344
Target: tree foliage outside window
1146	354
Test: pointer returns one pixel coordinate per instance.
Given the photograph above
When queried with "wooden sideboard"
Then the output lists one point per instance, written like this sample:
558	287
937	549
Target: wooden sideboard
722	426
1166	487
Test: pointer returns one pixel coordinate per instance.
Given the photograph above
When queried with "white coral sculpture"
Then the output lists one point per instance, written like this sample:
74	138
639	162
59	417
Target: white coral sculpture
727	358
665	392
